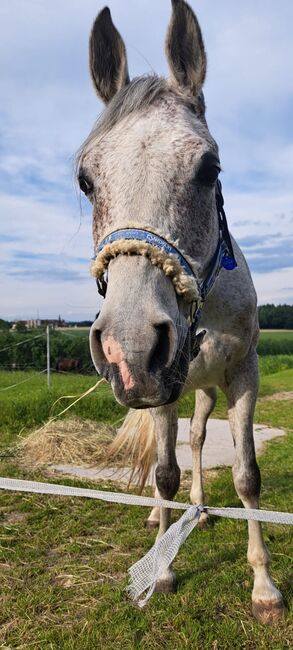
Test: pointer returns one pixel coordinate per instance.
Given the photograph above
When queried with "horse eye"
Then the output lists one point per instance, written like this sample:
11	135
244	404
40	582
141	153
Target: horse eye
85	185
208	175
209	169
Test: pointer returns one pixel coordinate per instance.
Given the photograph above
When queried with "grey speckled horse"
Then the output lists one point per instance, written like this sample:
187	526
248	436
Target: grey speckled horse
151	163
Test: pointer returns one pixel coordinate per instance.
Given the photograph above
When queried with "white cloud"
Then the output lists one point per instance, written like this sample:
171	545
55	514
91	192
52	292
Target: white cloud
257	213
42	227
45	260
27	299
274	287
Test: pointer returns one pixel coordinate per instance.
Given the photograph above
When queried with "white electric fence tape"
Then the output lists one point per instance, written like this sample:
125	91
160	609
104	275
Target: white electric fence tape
145	573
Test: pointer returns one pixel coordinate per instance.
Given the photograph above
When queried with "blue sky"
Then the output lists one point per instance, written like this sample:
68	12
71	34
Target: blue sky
48	107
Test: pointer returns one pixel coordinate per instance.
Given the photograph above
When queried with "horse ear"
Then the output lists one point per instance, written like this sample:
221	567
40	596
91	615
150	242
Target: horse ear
108	61
185	48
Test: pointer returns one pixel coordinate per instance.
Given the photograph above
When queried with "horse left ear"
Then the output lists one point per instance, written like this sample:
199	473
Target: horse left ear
108	60
185	48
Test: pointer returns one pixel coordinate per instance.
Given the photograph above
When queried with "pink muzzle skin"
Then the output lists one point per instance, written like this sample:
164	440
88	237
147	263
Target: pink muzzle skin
114	354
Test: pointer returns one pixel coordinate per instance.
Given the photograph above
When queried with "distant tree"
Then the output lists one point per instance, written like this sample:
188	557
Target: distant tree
80	323
32	352
20	326
276	317
6	350
4	324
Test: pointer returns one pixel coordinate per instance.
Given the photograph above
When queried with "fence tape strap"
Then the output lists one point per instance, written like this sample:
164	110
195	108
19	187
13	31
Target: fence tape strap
71	491
145	573
269	516
37	487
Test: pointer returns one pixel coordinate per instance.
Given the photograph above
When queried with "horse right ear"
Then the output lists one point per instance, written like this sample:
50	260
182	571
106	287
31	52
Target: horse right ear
185	49
107	53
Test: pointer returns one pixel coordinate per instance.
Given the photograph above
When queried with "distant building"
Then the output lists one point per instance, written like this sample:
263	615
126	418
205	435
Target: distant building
34	323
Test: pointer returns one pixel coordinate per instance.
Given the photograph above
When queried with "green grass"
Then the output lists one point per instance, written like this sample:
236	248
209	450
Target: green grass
276	334
281	381
271	364
64	561
275	342
74	331
30	403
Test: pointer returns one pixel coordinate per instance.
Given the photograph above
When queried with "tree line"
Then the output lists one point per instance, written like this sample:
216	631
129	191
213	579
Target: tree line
33	353
276	317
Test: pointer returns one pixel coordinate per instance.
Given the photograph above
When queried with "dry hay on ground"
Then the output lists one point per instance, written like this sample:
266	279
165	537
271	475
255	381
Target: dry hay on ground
73	440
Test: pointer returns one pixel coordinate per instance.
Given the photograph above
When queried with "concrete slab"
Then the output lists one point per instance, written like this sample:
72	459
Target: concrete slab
218	451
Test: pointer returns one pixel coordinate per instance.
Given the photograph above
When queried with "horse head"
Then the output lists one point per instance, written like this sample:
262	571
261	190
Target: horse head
150	164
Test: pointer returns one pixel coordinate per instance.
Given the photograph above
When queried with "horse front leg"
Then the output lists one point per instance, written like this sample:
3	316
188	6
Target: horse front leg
205	403
167	477
241	390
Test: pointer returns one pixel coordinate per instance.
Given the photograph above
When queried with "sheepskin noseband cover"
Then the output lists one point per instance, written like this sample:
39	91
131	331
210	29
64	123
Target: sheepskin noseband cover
160	251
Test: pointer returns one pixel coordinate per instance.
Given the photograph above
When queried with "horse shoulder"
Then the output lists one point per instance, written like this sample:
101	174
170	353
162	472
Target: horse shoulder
230	319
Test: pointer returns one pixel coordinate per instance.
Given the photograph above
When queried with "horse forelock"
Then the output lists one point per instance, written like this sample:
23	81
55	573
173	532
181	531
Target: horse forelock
141	93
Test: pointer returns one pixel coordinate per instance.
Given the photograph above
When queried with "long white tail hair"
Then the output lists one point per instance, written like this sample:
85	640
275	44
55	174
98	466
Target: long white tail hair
135	445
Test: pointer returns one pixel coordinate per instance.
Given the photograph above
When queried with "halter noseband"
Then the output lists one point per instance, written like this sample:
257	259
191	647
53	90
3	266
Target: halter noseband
222	258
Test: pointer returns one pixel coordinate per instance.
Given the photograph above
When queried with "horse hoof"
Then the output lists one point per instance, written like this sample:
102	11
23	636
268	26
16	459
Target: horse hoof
166	586
151	525
203	523
268	612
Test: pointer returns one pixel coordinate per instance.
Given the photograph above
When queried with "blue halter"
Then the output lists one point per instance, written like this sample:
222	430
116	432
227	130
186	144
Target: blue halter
222	258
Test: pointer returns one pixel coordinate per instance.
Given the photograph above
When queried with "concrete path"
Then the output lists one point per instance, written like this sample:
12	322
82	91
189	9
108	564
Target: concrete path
218	451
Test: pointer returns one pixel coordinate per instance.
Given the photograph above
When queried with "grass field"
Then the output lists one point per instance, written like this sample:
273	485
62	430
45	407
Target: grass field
276	334
275	342
30	403
64	561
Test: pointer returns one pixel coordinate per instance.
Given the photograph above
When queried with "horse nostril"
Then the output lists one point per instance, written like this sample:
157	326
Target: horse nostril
96	349
97	336
163	351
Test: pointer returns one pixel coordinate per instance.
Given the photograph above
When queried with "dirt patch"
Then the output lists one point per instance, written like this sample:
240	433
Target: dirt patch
65	580
14	518
52	557
278	397
209	475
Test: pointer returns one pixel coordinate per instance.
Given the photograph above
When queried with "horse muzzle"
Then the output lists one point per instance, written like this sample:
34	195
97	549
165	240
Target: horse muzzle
146	367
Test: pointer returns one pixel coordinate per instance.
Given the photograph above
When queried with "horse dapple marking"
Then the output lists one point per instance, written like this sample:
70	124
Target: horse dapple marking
151	162
65	365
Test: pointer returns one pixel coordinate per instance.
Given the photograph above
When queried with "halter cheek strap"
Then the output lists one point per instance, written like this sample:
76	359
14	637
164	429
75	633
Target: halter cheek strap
172	261
224	255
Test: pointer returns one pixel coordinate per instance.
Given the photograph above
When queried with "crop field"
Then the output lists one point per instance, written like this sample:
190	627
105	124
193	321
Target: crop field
276	334
275	342
64	561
